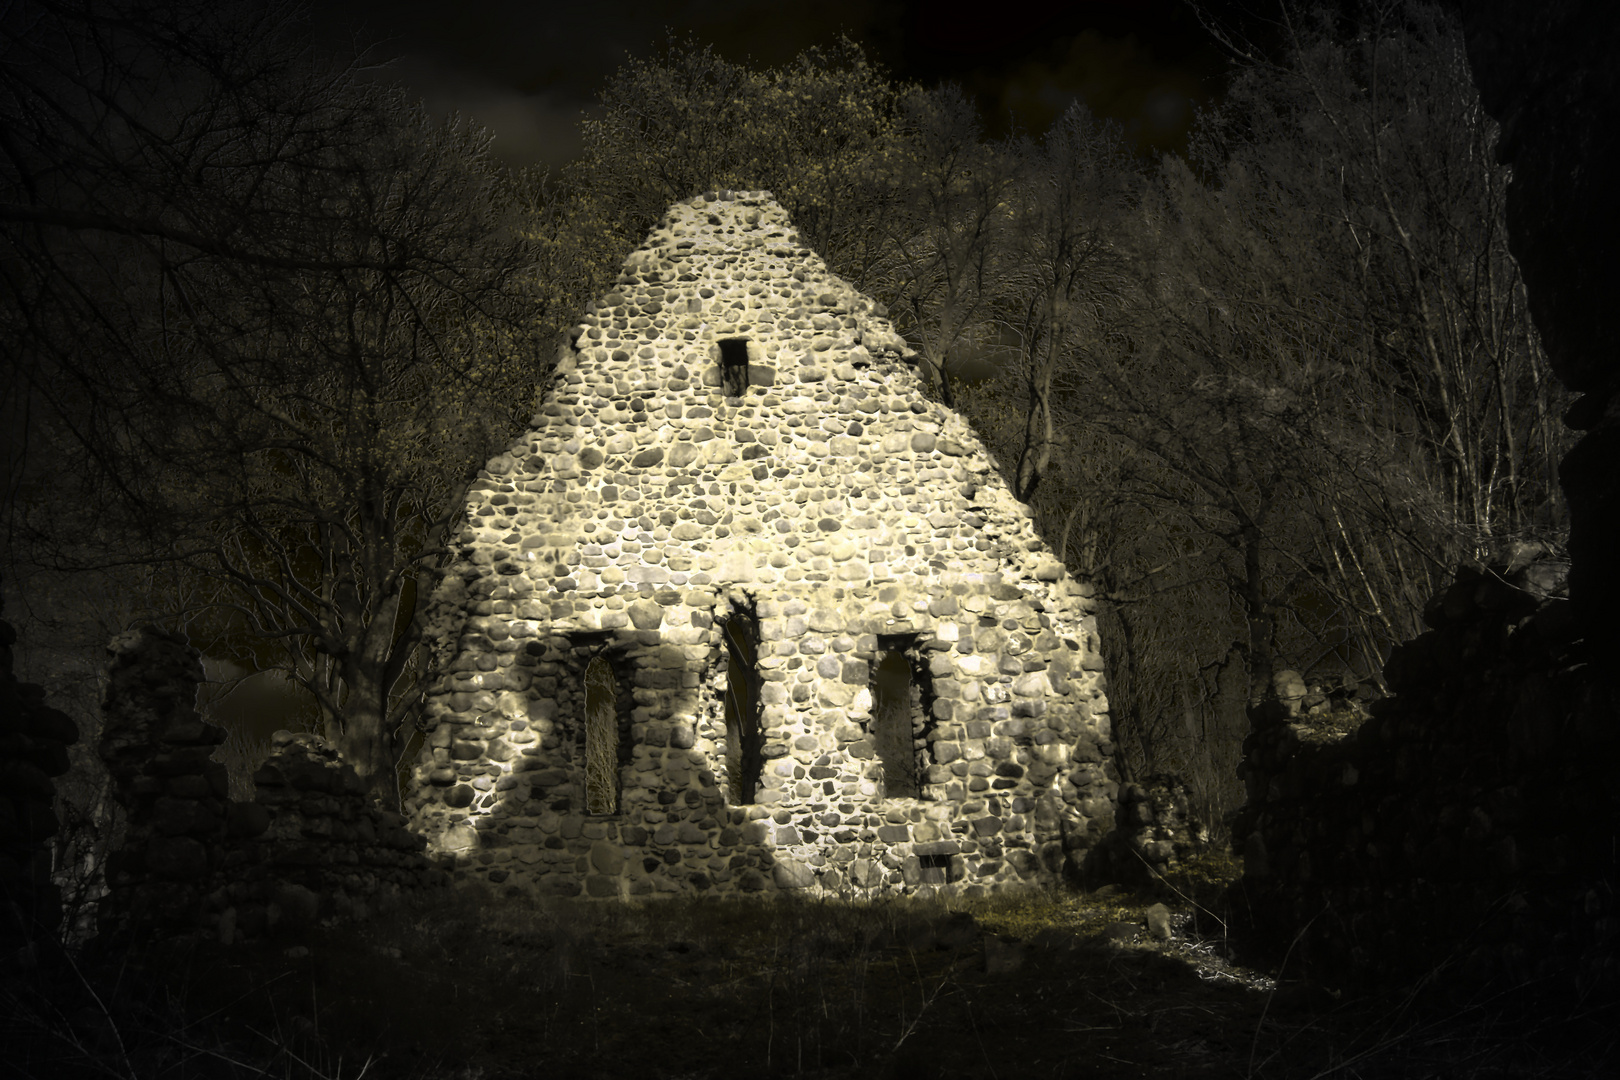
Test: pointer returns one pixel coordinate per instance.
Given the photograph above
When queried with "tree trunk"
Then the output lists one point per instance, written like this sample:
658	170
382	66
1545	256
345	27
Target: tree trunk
1261	621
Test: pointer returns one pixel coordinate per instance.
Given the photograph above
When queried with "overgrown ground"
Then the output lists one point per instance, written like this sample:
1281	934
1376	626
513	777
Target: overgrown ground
1055	984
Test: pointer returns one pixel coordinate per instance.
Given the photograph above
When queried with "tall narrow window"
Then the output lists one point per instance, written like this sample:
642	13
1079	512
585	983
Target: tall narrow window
734	366
601	739
894	716
745	742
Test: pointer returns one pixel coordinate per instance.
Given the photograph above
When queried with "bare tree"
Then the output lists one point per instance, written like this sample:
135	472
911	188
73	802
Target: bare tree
270	318
1066	269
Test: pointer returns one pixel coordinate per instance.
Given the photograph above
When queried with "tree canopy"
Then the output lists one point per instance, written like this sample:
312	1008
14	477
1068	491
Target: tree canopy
264	320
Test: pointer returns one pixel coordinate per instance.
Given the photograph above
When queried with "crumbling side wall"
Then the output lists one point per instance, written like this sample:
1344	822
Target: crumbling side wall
310	846
1465	830
33	749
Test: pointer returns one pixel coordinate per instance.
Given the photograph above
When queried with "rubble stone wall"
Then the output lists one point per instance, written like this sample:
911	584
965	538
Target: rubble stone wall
310	846
1465	830
735	487
33	750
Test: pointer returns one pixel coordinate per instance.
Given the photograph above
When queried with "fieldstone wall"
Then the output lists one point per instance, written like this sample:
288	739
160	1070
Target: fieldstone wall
1156	830
1465	829
158	752
327	851
311	846
736	489
33	749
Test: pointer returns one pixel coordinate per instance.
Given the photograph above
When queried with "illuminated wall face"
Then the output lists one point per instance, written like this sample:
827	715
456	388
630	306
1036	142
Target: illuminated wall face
744	611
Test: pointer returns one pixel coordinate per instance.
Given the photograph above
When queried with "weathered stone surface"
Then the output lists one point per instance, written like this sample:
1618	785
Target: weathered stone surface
298	905
793	874
177	858
668	507
1158	922
33	747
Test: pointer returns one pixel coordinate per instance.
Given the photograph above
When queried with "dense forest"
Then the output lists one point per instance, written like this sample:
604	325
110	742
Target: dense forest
265	319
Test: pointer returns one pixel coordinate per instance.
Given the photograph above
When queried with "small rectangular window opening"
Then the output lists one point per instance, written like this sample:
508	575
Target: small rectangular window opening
734	366
745	740
936	869
900	703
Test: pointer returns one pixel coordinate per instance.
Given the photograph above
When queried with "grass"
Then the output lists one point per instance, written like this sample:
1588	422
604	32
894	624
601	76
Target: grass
479	986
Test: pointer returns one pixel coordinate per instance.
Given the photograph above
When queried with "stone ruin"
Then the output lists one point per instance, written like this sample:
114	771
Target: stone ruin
744	611
310	846
1467	832
1451	832
33	750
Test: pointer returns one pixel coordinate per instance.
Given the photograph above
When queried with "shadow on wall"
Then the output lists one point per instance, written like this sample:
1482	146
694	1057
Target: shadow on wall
612	764
584	798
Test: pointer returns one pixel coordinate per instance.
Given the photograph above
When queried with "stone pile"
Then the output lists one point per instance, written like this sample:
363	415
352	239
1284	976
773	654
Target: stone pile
1465	829
33	749
736	491
310	846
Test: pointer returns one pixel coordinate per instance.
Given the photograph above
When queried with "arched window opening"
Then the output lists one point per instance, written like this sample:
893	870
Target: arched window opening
745	742
601	739
892	725
734	366
900	721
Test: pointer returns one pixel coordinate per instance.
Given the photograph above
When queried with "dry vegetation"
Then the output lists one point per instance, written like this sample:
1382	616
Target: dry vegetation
470	985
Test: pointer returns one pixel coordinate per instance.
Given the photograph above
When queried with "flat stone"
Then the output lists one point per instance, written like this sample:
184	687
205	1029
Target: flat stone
1158	922
792	874
646	614
607	858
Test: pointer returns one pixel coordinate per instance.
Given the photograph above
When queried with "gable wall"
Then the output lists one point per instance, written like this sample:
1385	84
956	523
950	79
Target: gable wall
837	505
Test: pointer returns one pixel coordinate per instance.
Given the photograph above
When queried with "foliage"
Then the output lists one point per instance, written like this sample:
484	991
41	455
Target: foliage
691	121
1308	386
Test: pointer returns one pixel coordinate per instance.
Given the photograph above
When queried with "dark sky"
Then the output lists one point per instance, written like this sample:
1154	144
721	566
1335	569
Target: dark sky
526	70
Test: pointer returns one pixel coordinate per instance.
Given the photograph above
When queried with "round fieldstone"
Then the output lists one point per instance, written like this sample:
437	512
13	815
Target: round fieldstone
177	858
792	874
